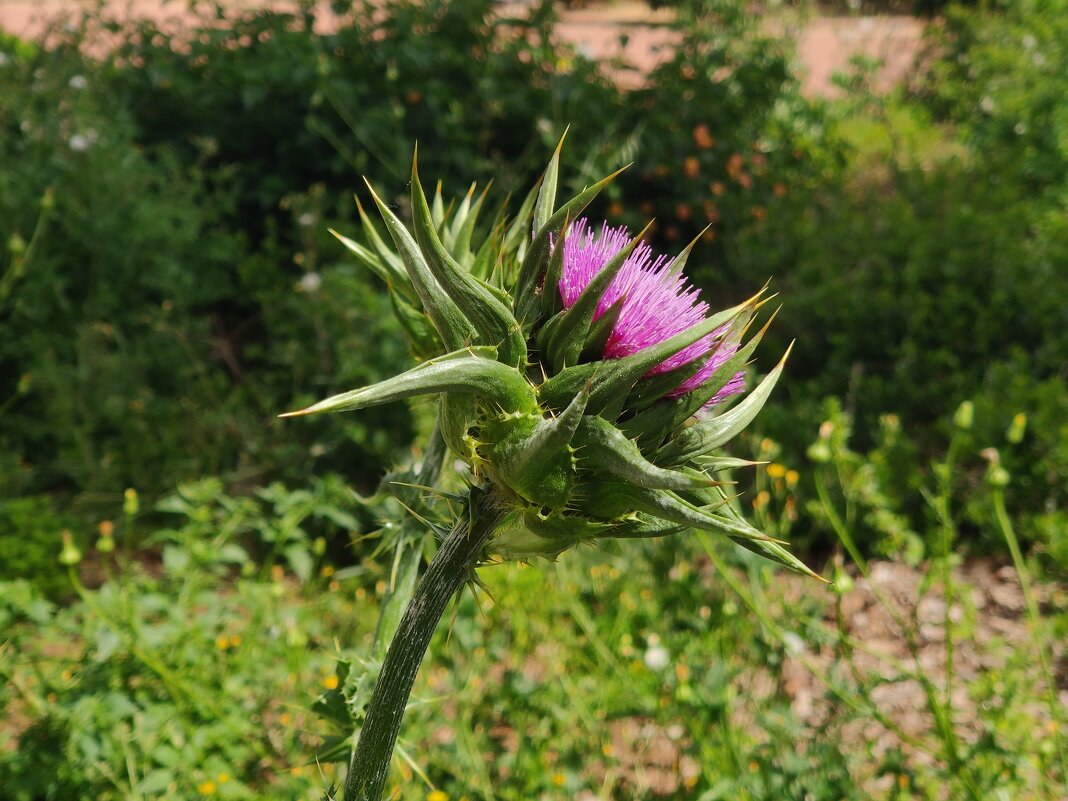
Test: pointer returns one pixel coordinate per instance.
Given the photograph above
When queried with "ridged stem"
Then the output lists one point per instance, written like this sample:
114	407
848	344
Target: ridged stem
448	570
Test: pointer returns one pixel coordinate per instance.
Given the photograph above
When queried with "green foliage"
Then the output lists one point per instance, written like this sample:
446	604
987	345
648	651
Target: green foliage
145	340
1002	76
191	678
30	542
203	674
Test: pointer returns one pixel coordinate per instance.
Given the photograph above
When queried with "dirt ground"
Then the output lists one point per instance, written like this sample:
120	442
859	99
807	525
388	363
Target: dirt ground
825	45
988	615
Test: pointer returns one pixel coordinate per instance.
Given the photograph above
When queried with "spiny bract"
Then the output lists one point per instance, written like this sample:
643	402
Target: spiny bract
575	372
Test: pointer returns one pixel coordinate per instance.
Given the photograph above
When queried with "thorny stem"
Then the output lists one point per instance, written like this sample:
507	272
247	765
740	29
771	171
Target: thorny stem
409	551
448	570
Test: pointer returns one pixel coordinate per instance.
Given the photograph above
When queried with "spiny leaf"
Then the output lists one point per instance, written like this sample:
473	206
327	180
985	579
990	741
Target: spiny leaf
604	447
697	440
492	320
455	329
615	498
473	370
543	209
600	331
613	378
532	270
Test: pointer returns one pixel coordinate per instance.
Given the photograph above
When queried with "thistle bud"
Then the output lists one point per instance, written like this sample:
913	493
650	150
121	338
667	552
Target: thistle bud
581	378
819	452
69	555
106	543
1017	429
964	416
131	504
997	476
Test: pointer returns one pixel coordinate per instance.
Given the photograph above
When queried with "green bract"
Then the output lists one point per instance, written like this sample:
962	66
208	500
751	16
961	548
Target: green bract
575	445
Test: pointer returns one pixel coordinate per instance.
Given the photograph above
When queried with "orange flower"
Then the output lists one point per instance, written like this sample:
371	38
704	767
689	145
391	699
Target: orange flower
702	137
683	212
691	167
718	188
734	165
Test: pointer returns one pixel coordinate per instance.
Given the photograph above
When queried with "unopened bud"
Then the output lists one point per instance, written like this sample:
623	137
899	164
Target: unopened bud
48	200
319	546
819	453
843	582
131	504
998	476
965	416
106	543
69	555
16	245
1017	428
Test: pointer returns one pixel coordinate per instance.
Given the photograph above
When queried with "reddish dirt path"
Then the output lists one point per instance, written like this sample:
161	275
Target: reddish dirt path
825	45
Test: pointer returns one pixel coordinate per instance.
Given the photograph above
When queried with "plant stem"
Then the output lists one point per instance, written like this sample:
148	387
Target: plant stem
1034	620
448	570
409	550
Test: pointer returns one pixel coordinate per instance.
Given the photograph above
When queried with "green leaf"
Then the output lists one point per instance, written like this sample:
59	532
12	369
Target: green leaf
613	378
492	319
453	327
600	331
422	338
604	447
669	416
382	270
700	439
472	370
543	208
463	227
536	260
611	498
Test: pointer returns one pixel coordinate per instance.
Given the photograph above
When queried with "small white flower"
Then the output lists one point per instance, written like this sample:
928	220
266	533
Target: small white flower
793	644
306	220
79	143
1020	128
311	282
1029	42
657	657
3	58
987	104
77	82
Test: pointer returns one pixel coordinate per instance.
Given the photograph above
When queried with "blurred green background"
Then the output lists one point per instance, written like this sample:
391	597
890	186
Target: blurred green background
168	285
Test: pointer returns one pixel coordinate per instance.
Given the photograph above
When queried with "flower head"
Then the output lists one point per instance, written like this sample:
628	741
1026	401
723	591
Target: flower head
656	303
569	368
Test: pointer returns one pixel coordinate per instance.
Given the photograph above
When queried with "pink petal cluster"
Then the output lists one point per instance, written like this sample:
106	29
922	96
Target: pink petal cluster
658	303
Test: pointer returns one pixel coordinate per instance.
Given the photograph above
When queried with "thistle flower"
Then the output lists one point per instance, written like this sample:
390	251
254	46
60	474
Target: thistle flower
575	372
577	375
656	304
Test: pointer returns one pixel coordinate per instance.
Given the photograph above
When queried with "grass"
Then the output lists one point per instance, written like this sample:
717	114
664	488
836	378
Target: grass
677	669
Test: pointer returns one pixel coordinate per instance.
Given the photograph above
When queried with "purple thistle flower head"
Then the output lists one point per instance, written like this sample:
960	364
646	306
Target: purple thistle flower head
657	304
